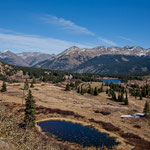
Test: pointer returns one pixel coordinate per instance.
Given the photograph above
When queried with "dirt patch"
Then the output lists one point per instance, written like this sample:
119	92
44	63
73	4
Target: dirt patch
134	139
103	112
137	126
45	111
106	125
139	143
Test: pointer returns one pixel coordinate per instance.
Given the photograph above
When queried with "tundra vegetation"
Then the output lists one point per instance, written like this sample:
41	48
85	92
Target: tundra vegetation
20	132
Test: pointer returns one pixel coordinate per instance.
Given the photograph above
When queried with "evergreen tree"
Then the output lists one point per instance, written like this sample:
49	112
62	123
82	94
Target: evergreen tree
32	84
147	109
144	92
133	92
89	89
33	80
126	102
122	97
95	91
119	97
82	91
141	96
107	91
78	90
100	89
72	85
113	94
26	85
148	91
29	119
4	89
137	92
68	87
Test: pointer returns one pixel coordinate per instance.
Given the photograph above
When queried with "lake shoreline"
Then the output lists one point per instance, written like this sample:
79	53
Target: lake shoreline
118	139
111	80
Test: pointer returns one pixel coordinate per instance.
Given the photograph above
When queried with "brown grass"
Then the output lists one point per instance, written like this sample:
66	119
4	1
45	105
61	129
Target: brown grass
134	139
54	101
18	138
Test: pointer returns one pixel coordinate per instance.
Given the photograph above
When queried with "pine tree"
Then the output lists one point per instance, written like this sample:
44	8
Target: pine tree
89	89
78	90
29	119
95	91
100	89
26	85
146	109
68	87
113	94
122	97
148	91
107	91
32	86
144	92
33	80
81	91
141	96
4	89
126	102
137	92
119	97
72	85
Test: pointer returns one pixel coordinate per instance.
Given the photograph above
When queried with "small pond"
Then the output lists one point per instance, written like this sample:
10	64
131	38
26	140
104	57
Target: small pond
111	80
76	133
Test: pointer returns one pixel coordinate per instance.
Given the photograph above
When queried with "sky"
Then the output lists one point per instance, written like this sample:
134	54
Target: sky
51	26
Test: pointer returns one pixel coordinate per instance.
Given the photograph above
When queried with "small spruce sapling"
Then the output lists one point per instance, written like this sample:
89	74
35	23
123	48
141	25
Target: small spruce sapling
4	87
146	109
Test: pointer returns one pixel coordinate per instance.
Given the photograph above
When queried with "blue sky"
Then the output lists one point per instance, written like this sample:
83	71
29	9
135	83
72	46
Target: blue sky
51	26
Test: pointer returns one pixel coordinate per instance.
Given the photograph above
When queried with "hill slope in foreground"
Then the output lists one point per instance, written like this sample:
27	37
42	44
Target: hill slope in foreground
71	106
54	102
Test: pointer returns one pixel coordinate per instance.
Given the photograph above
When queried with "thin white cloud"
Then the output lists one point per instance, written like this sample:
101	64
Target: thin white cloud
108	42
21	42
127	39
66	25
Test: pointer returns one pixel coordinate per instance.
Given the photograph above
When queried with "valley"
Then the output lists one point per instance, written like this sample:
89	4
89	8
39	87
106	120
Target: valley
53	102
74	75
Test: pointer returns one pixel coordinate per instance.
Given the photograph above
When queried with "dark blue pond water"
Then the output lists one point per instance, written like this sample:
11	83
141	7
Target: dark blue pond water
76	133
111	80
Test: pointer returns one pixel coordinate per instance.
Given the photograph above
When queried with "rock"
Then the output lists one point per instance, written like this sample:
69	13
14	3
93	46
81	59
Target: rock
3	144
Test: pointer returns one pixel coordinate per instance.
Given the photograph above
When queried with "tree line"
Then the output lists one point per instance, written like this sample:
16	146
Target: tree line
137	91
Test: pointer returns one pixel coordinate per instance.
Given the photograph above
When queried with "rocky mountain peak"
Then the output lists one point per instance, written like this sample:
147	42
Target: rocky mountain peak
72	49
6	52
69	51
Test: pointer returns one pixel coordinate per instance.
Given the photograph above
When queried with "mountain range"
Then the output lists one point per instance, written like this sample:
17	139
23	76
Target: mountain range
24	59
85	60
